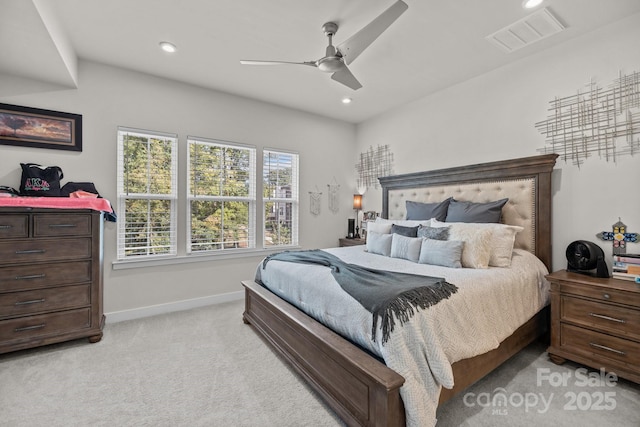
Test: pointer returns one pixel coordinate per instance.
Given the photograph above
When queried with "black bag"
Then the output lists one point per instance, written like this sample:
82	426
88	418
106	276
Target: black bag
70	187
40	182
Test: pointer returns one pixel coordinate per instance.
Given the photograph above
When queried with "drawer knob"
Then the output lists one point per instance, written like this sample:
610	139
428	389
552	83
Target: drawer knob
602	316
604	347
62	225
4	227
606	296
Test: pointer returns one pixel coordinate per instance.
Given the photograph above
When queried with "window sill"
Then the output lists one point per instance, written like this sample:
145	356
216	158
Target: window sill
187	259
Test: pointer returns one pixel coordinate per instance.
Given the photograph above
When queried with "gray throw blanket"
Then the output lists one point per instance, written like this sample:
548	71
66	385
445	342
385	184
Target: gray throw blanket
386	294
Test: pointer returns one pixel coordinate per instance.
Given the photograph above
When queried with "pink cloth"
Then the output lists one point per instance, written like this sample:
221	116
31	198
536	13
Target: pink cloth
57	203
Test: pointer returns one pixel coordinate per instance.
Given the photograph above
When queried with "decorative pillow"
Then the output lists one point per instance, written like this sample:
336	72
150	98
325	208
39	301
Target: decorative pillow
403	222
404	231
405	247
501	242
419	210
475	212
441	252
379	227
379	243
436	233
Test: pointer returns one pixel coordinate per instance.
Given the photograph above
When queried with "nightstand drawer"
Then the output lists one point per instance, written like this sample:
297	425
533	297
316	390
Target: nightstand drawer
14	226
45	324
610	318
61	225
604	294
27	302
594	343
35	250
34	276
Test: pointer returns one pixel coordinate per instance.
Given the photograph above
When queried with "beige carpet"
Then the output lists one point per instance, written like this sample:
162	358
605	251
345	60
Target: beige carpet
204	367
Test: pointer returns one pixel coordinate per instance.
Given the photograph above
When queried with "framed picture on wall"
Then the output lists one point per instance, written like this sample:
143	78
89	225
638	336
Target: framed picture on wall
34	127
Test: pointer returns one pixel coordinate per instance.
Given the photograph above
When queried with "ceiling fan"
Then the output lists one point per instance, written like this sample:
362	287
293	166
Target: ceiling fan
338	57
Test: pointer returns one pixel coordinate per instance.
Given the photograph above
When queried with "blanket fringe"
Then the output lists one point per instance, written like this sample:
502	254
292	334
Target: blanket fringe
406	304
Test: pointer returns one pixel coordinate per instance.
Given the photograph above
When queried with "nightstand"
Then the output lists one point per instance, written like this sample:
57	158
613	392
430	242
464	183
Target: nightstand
351	242
596	322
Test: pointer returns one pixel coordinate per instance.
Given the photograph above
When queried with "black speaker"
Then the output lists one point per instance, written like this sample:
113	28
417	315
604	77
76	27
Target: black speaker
351	231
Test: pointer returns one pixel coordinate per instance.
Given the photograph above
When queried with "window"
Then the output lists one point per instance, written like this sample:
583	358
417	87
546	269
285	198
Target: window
147	192
221	195
280	198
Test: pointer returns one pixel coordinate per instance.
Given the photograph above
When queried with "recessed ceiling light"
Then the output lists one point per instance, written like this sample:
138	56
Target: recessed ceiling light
530	4
346	100
168	47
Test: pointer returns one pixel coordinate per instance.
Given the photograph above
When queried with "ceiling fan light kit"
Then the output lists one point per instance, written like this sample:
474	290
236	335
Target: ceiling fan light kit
338	57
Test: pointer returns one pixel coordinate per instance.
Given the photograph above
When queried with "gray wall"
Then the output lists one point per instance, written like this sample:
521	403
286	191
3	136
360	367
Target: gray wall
109	97
492	117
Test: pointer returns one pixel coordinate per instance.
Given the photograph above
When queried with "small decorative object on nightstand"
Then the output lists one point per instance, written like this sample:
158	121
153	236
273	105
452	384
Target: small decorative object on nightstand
351	242
596	321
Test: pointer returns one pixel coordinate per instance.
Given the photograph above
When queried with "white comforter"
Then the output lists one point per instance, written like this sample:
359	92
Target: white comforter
488	307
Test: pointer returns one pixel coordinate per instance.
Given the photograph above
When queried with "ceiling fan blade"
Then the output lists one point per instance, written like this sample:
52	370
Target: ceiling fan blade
354	45
344	76
252	62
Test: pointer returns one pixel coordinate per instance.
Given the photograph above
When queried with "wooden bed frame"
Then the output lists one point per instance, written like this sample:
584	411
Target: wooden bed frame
359	387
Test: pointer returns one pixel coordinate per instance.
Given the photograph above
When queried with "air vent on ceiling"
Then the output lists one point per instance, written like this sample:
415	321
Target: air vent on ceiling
530	29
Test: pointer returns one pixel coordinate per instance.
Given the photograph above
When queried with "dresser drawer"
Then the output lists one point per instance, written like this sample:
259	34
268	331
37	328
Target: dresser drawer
35	250
33	276
14	226
45	324
27	302
604	294
607	346
610	318
61	225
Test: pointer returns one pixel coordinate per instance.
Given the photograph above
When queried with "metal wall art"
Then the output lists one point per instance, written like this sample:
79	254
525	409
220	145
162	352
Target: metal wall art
596	121
373	164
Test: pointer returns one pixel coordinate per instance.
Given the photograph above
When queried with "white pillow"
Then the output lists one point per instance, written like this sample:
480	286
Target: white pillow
405	247
378	243
403	222
477	243
379	227
501	240
441	252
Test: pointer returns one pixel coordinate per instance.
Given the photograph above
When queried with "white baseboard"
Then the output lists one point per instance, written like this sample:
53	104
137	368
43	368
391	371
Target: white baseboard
137	313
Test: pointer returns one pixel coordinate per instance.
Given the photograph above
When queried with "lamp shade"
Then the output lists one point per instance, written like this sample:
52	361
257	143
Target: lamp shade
357	201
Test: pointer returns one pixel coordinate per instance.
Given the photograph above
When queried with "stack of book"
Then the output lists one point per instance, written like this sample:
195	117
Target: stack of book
626	267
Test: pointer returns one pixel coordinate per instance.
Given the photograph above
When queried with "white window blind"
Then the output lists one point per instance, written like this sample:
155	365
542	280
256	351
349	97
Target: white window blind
147	193
280	198
221	195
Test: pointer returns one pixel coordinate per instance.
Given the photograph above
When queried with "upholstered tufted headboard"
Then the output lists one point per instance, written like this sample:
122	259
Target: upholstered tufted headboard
526	182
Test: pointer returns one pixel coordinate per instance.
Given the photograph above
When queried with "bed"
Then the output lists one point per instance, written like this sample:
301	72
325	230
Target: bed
358	386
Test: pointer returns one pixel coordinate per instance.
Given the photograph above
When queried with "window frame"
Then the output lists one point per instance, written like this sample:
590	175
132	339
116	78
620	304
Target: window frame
294	199
251	198
123	194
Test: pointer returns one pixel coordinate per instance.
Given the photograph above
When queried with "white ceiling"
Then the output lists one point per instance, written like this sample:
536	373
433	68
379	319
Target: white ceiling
433	45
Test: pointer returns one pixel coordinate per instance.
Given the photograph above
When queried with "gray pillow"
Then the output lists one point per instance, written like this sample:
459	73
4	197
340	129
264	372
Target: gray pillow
436	233
379	243
475	212
420	211
404	231
405	247
446	253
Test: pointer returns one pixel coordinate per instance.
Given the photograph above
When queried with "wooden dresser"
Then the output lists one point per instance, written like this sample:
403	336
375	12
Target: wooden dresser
596	322
50	276
350	242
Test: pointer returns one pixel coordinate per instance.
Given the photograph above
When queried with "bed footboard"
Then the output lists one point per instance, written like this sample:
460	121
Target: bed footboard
360	389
